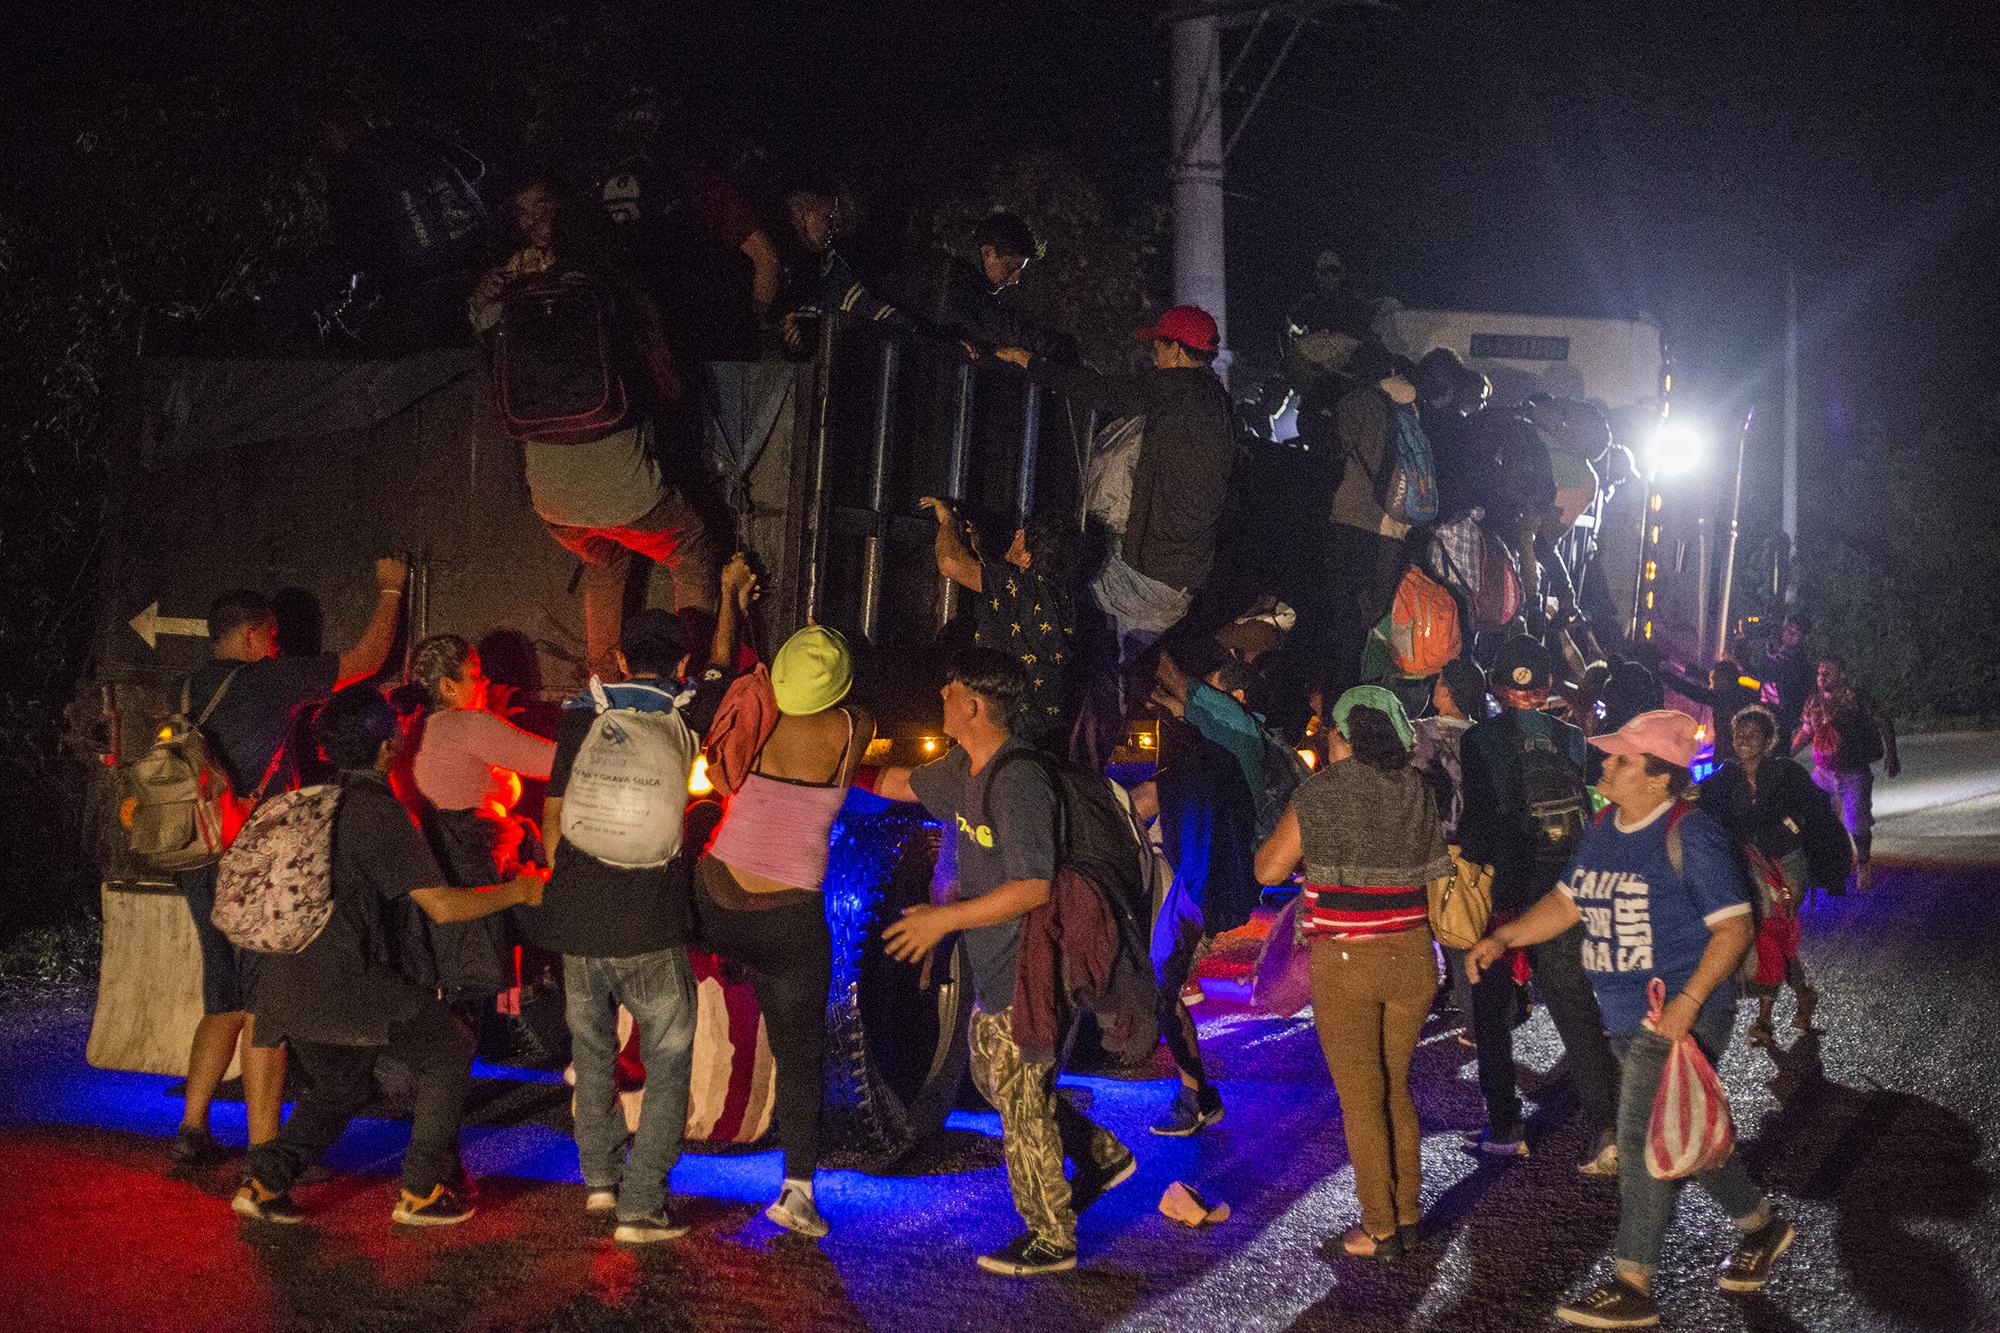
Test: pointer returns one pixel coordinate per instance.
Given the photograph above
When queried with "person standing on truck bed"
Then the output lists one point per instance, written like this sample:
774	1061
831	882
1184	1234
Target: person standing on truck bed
1180	484
608	490
251	694
1007	816
757	892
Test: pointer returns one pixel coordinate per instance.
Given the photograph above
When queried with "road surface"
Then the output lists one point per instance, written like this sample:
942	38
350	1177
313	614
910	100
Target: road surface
1877	1137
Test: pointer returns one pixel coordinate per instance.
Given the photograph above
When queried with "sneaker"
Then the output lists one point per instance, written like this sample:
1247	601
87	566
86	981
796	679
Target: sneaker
194	1147
1616	1304
1750	1267
1603	1162
646	1230
796	1211
259	1204
442	1207
1028	1255
1761	1034
1092	1183
1497	1145
1192	1112
601	1201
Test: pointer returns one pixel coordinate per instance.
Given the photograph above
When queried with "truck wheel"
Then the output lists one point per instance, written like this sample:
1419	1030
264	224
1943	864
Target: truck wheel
896	1050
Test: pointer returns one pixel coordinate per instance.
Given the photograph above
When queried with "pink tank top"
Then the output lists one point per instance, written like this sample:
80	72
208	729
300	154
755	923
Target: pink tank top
778	827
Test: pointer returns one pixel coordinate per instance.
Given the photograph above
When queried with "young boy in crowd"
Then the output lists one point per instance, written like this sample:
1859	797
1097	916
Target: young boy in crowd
1006	815
623	932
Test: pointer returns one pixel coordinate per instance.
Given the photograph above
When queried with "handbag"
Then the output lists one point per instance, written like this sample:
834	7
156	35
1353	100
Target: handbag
1461	903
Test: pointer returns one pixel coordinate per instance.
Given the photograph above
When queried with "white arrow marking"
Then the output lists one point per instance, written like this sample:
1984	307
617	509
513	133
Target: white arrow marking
150	625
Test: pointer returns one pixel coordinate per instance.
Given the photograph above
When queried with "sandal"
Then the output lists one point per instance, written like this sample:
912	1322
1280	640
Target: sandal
1357	1242
1762	1034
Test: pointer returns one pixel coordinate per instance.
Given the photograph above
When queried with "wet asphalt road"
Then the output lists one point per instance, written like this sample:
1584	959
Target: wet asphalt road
1877	1138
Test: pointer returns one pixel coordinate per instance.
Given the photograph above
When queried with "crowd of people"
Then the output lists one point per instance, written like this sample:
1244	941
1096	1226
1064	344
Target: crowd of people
1440	670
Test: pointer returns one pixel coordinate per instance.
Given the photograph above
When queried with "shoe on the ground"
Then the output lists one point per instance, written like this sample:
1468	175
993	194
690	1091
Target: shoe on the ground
1028	1255
601	1201
1602	1162
442	1207
1616	1304
195	1147
1192	1112
795	1211
1497	1145
1762	1034
260	1204
1192	993
1807	1006
1357	1242
646	1230
1750	1267
1092	1183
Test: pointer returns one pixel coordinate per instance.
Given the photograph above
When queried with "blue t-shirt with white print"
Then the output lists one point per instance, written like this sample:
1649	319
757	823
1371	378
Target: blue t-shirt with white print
1641	920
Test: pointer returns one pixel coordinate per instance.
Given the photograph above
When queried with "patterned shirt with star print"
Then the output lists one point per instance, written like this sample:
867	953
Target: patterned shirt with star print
1028	617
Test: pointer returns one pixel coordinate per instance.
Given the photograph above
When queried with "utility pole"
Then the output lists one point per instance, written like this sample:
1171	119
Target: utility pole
1196	172
1791	490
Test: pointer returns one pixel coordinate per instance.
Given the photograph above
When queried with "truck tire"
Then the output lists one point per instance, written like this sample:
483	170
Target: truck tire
896	1051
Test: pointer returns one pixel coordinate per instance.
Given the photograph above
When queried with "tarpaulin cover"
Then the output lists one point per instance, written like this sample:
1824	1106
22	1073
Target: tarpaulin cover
197	406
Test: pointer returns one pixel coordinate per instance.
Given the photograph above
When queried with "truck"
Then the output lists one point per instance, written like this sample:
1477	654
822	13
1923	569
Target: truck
291	474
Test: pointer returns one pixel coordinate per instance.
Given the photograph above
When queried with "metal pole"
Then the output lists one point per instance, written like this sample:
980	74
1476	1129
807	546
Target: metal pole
1196	172
815	516
954	478
878	489
1729	560
1790	513
1031	439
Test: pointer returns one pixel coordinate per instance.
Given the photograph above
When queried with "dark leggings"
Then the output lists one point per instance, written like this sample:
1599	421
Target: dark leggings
789	953
1175	1020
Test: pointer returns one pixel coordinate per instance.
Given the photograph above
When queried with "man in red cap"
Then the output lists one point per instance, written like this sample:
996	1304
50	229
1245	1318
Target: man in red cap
1658	890
1180	481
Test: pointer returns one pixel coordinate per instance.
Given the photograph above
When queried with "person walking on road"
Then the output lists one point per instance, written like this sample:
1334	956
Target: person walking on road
1367	829
1648	914
1848	732
1525	807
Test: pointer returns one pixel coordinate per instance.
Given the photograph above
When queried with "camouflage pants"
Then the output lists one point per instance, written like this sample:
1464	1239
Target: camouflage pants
1038	1128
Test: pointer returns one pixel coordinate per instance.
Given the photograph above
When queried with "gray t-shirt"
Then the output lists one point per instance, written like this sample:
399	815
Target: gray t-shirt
606	483
1006	830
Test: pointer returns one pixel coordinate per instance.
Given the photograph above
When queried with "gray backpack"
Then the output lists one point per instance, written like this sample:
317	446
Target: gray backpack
178	793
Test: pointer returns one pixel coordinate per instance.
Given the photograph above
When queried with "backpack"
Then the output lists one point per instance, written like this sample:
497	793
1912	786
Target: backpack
1421	630
1768	886
1096	832
628	786
1554	802
274	889
558	360
179	792
1283	772
1406	488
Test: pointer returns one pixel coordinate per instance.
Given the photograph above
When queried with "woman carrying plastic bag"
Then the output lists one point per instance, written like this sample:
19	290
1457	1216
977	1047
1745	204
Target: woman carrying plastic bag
1654	930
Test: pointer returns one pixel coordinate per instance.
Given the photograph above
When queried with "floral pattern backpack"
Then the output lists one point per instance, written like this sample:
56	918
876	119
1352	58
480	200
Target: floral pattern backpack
274	888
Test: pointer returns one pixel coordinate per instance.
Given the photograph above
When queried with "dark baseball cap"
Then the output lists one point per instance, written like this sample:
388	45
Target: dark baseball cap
1522	664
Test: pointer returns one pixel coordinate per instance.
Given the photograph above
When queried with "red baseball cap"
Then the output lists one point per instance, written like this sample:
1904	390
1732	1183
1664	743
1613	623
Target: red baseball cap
1188	325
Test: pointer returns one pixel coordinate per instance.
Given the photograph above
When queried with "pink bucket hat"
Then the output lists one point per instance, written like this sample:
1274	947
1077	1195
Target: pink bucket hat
1664	733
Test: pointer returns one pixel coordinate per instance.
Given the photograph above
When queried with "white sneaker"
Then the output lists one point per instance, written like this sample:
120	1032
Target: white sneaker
795	1211
601	1201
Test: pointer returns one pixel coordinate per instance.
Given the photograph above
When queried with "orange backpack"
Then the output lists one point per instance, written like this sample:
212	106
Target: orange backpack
1421	630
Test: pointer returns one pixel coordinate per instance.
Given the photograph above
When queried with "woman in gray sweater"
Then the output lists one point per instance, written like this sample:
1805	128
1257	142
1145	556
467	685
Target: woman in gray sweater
1367	828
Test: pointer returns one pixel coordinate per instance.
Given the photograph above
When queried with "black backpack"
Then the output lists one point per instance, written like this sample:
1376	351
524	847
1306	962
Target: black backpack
1098	835
1553	802
561	360
1283	772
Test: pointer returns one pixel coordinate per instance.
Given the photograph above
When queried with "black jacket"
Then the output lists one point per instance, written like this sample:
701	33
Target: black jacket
1787	814
1181	482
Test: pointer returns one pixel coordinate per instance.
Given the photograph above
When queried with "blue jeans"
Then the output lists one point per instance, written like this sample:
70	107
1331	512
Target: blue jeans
659	990
1646	1205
